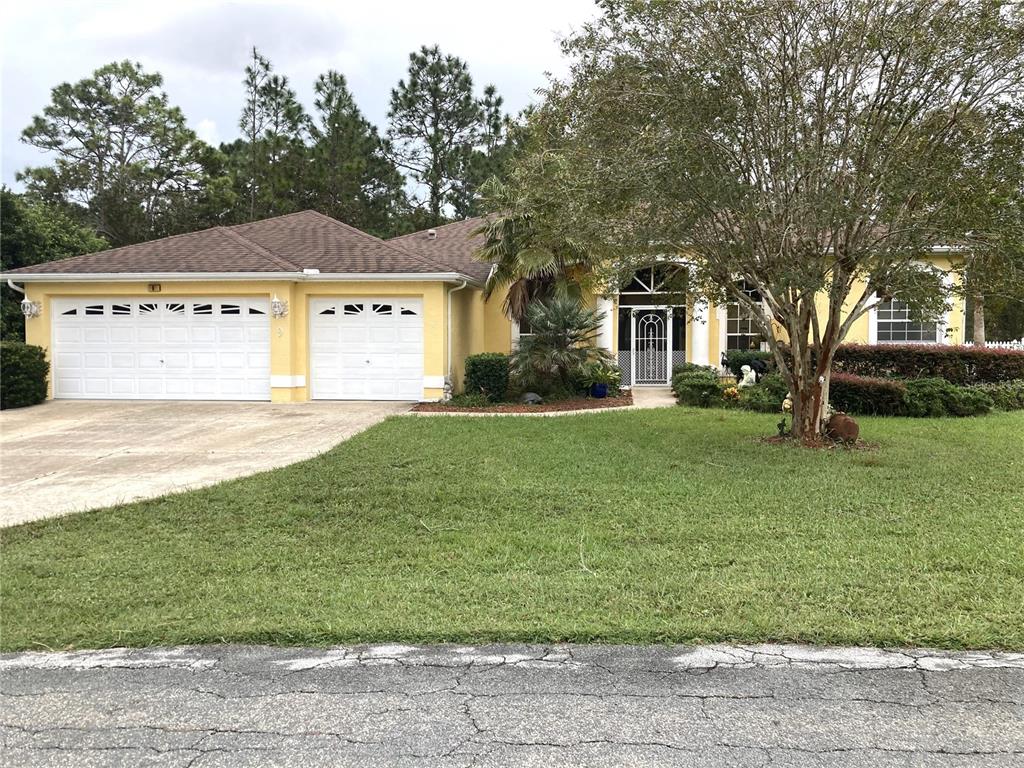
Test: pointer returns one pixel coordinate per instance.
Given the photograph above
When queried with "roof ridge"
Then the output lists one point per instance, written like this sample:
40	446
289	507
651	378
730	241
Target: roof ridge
280	261
385	243
439	226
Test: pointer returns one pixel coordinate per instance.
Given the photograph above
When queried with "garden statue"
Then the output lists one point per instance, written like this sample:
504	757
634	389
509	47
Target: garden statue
747	376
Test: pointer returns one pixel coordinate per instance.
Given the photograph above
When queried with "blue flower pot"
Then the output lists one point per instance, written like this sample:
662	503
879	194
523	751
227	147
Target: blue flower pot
599	390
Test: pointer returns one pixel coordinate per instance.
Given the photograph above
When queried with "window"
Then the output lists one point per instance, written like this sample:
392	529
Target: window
175	308
741	329
147	309
898	323
352	309
202	309
94	309
327	311
254	311
408	311
382	309
70	312
230	309
121	309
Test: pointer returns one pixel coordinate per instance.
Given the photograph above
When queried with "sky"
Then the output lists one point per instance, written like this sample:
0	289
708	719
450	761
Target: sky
201	49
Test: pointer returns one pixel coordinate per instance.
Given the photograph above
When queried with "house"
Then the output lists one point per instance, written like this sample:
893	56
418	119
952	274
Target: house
302	307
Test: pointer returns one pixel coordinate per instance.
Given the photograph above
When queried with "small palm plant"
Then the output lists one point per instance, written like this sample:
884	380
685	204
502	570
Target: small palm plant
561	341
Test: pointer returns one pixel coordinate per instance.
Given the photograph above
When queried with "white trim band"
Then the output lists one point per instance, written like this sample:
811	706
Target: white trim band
298	277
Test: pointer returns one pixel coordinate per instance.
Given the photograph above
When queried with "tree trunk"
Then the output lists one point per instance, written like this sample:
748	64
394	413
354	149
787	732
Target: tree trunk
979	320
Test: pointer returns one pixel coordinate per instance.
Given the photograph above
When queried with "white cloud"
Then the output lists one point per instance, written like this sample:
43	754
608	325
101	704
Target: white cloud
206	129
201	49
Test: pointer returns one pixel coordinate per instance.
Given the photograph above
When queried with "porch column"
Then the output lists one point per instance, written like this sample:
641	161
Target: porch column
701	334
605	336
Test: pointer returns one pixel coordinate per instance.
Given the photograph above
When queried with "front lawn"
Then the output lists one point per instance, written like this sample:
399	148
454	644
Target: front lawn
642	526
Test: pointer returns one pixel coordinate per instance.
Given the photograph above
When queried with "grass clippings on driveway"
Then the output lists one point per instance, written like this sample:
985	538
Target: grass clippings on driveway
634	526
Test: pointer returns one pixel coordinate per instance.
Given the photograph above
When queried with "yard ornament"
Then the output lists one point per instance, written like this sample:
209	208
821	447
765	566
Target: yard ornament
747	376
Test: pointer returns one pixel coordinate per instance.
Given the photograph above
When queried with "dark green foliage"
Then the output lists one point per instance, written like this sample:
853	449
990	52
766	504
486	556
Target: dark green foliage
31	233
866	395
693	367
23	371
766	396
470	400
121	150
487	375
937	397
1006	395
438	129
737	358
957	365
562	340
697	387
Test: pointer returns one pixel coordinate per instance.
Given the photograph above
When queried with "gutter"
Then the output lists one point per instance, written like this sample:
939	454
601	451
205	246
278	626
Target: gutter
449	345
13	287
305	276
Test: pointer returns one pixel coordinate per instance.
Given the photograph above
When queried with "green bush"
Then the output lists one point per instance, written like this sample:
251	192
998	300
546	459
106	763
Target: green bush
700	388
734	359
1006	395
866	395
766	396
937	397
957	365
692	368
470	400
23	371
487	374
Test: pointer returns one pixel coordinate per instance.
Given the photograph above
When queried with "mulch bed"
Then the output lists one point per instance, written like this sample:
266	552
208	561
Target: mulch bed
822	443
570	404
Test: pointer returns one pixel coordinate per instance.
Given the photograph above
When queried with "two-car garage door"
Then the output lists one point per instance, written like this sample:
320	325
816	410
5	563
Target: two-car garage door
144	348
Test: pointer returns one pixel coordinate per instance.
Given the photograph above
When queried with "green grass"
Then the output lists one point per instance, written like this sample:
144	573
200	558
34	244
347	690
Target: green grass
646	526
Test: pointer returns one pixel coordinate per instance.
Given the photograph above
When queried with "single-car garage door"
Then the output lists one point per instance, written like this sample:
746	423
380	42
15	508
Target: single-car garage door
145	348
366	349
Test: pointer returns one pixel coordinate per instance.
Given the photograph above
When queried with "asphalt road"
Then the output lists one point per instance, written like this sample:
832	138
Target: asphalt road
512	706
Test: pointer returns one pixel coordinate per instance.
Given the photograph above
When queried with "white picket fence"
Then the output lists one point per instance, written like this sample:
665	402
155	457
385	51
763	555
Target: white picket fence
1018	344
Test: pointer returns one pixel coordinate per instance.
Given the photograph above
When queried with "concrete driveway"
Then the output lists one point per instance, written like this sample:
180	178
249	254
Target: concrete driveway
70	455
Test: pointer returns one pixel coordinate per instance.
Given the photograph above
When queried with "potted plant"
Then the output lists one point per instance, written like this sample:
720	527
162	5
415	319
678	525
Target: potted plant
598	378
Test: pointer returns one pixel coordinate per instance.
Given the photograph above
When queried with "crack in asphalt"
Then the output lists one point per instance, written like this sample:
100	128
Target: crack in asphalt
471	706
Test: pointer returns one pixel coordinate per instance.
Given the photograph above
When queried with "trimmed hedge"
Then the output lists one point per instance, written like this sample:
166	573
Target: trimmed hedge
957	365
917	397
23	372
487	374
697	387
1006	395
867	395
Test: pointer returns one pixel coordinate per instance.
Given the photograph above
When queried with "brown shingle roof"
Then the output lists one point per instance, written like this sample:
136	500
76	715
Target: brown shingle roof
454	244
291	243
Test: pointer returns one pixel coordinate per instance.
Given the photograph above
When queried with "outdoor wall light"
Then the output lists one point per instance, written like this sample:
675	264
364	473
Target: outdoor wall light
278	307
31	308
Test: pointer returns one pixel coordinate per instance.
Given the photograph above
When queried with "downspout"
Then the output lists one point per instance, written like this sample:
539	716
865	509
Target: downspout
448	377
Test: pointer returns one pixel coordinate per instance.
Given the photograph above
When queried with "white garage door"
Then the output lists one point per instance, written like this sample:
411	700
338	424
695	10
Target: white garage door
366	349
145	348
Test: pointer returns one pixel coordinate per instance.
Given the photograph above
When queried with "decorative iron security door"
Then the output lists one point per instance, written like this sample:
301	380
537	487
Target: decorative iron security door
651	346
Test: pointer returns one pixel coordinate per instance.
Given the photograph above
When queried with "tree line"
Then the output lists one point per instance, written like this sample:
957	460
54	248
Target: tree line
127	166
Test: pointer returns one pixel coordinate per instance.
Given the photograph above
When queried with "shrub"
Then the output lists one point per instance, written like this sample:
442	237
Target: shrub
700	388
23	371
867	395
734	359
957	365
487	374
562	339
470	400
766	396
937	397
1006	395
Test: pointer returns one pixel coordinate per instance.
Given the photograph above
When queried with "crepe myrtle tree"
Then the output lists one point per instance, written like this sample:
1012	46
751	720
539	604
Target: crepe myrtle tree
793	149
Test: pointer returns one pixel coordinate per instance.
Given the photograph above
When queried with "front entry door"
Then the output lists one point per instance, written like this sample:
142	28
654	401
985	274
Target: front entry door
651	352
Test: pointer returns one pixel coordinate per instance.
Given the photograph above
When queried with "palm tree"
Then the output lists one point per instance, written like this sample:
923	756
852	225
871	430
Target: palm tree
534	262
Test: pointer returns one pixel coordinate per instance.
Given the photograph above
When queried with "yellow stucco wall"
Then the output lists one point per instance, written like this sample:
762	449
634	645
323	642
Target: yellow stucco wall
477	326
